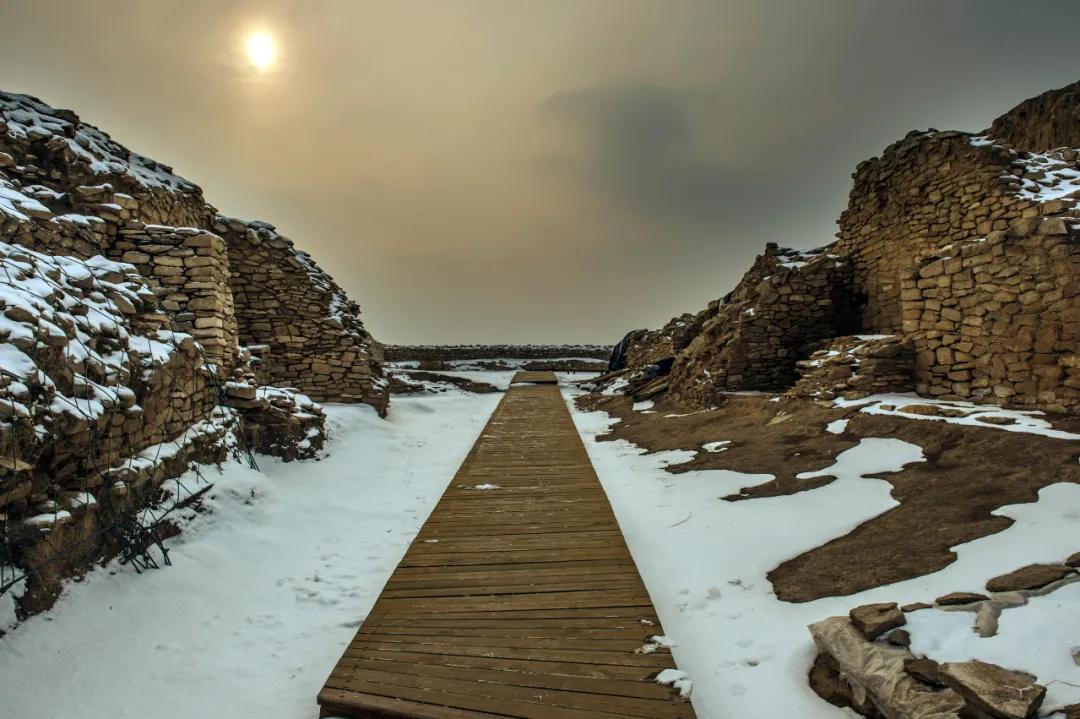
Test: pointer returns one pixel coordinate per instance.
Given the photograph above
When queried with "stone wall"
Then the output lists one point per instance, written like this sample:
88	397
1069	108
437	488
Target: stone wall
449	353
928	190
646	347
788	299
120	364
284	301
54	148
856	367
188	270
997	319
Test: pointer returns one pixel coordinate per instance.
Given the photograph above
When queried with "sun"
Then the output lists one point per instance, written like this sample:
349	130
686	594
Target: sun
261	49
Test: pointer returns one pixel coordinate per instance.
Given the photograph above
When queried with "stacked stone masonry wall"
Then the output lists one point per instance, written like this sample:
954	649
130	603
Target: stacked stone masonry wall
926	191
788	299
284	301
449	353
188	270
857	367
997	319
89	439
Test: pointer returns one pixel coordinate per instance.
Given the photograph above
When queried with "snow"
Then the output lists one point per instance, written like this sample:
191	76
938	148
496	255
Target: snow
1059	177
263	594
705	562
716	446
837	427
1039	638
643	406
266	589
1025	421
26	117
675	678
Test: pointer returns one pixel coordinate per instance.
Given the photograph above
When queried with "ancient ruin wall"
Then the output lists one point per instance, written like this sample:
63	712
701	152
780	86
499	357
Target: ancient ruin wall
928	190
283	300
786	300
998	319
449	353
104	390
43	146
645	347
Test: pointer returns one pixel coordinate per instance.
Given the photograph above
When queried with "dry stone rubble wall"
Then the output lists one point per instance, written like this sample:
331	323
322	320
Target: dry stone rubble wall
119	334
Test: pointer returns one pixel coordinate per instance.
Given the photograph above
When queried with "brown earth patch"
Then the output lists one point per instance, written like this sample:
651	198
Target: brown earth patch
945	501
410	376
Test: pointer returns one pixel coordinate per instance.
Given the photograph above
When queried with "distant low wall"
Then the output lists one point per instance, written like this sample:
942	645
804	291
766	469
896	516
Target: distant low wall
445	353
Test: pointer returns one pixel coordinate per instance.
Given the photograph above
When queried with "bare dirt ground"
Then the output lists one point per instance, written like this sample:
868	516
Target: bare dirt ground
945	501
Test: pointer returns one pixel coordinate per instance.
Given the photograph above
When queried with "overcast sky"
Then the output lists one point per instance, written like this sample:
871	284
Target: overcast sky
533	170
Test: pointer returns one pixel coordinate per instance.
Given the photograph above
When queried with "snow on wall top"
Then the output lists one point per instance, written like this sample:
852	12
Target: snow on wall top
1044	176
23	117
78	311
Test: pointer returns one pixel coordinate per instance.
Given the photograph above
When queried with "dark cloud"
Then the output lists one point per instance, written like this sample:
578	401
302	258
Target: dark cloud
484	170
640	146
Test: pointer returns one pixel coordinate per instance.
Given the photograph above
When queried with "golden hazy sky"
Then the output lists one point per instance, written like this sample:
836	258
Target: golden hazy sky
533	170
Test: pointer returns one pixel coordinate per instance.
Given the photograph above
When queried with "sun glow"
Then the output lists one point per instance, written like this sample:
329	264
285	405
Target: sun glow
260	47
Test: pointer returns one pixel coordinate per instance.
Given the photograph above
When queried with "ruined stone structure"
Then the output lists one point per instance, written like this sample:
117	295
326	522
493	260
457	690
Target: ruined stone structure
450	353
314	338
125	305
854	367
998	318
959	245
786	300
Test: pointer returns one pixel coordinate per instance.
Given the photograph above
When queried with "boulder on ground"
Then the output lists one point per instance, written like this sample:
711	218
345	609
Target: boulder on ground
873	620
1031	577
954	599
994	691
925	670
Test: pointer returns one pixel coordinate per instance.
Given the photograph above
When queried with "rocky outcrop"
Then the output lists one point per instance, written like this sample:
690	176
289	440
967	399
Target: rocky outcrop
1042	123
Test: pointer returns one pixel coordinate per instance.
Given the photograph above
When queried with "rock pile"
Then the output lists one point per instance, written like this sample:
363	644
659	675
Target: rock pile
865	665
787	299
857	367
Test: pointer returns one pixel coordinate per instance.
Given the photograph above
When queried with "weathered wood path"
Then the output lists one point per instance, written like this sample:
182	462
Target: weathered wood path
519	597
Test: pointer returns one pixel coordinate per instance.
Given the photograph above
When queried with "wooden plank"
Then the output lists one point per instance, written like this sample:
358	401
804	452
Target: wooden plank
522	601
598	704
534	378
588	671
590	685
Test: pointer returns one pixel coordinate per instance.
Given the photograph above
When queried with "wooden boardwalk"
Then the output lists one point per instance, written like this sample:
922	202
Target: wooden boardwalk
519	597
535	378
